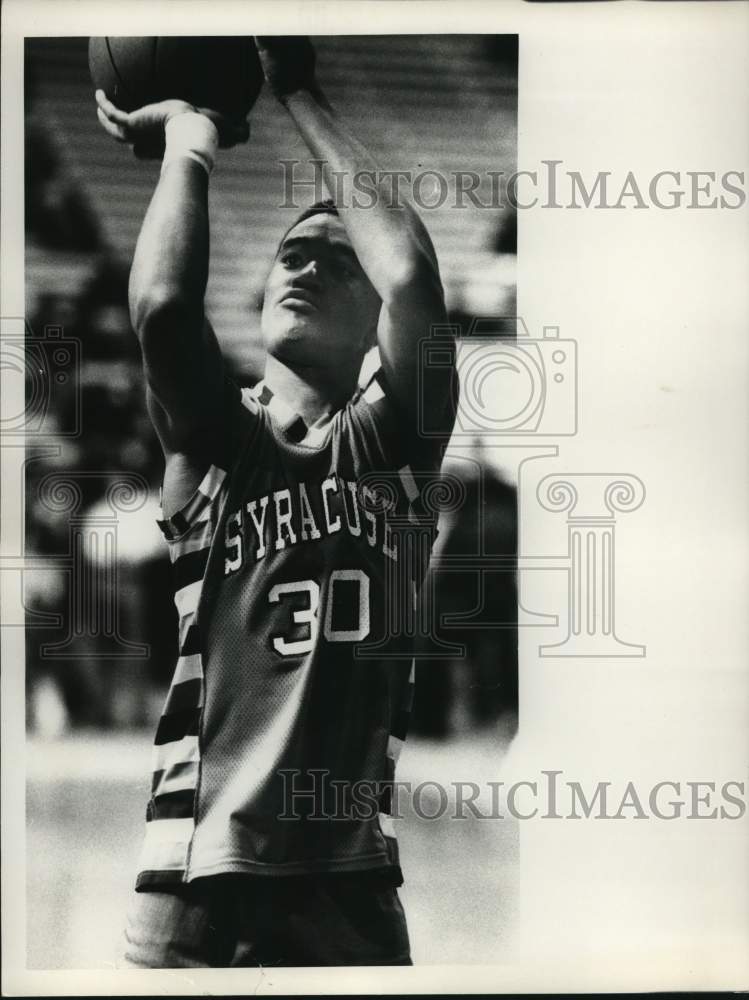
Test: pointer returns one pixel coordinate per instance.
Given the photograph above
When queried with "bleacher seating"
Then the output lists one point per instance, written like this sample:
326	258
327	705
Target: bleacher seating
419	102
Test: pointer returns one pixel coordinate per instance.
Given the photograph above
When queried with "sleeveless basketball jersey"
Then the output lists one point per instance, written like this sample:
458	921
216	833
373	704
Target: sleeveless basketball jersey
296	573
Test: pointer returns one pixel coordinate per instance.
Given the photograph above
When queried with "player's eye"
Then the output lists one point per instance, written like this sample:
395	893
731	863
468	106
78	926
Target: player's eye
290	258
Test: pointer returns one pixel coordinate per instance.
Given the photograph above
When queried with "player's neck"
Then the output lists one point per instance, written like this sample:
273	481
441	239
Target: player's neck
314	393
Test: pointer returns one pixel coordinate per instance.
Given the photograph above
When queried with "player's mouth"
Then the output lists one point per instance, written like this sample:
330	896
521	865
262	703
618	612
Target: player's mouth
298	298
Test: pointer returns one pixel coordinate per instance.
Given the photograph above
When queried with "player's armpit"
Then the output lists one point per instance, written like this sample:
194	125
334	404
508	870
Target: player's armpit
199	417
389	437
216	446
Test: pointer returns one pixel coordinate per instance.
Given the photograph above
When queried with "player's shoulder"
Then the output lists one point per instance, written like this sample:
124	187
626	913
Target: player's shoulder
390	435
195	476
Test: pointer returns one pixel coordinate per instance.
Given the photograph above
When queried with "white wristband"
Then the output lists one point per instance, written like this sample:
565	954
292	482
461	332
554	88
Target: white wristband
190	134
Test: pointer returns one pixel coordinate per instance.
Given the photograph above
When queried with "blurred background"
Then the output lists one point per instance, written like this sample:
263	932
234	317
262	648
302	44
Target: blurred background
99	663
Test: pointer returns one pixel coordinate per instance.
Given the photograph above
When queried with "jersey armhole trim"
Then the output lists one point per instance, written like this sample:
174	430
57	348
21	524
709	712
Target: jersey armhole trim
414	449
174	527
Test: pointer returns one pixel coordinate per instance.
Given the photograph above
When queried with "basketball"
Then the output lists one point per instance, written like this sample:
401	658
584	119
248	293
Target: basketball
220	73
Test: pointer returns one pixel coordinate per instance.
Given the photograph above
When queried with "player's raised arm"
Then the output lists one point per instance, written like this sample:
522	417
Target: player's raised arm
390	240
181	357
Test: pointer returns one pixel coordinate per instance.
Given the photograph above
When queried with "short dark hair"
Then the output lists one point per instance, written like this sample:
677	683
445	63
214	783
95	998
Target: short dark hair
324	207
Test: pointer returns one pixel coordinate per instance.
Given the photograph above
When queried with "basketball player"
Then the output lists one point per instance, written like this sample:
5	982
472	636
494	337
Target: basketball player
275	722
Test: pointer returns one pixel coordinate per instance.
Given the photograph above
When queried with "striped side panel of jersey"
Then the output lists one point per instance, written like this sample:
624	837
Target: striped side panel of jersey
176	753
417	515
396	740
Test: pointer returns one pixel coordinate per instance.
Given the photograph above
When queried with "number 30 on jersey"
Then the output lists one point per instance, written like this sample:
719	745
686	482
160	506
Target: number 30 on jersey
309	615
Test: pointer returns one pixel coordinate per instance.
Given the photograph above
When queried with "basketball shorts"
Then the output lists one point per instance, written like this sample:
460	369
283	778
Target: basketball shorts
233	921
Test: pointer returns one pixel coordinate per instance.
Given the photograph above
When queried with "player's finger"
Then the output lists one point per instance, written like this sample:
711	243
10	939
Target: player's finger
111	110
116	131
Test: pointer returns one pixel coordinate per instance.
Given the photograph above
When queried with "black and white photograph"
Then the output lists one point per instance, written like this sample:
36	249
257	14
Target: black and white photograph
374	482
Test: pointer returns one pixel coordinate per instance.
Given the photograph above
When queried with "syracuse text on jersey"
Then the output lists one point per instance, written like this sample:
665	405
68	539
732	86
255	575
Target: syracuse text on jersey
285	517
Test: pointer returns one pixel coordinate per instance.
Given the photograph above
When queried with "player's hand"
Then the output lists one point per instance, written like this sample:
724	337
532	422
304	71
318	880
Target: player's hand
288	63
144	129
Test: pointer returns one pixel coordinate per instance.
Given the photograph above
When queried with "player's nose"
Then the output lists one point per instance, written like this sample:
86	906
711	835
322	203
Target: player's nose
309	276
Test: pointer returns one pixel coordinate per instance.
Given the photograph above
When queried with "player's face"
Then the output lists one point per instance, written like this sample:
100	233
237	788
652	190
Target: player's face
320	308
